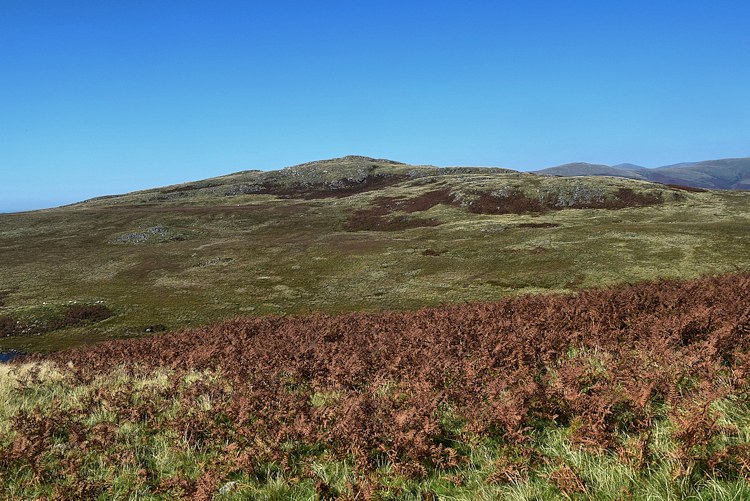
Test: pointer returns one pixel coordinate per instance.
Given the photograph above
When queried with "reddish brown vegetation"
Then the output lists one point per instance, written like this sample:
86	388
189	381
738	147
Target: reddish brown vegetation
425	201
568	481
374	218
79	314
400	383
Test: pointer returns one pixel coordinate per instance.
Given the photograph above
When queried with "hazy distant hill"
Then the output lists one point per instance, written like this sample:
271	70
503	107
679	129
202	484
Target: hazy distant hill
724	174
627	166
586	169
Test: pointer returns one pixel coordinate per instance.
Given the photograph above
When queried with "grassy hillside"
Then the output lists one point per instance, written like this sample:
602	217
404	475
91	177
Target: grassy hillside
635	392
345	235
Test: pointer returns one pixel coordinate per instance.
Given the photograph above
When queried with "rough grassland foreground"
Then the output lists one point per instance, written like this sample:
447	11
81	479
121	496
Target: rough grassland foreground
636	391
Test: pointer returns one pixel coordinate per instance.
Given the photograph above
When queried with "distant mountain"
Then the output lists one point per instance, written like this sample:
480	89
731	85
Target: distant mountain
723	174
585	169
629	167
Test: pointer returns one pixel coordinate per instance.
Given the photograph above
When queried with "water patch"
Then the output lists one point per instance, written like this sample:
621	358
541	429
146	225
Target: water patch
7	356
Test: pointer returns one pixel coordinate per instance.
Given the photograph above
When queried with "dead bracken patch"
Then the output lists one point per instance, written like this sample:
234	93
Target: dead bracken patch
378	218
568	481
425	201
606	360
78	314
409	389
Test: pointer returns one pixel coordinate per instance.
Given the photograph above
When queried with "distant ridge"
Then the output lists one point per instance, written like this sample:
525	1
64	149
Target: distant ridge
350	174
629	167
586	169
722	174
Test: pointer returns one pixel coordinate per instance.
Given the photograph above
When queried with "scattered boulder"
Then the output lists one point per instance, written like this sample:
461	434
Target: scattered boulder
154	234
155	328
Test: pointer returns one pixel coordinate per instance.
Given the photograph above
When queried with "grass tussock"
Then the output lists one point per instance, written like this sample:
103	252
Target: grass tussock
637	391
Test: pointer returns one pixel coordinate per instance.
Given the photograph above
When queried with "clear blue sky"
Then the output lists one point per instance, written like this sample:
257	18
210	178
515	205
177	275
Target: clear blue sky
100	97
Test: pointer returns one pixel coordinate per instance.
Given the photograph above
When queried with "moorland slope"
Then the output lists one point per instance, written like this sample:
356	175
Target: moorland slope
346	234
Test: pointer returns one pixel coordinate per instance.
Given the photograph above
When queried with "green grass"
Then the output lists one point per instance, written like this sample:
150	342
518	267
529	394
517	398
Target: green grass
142	459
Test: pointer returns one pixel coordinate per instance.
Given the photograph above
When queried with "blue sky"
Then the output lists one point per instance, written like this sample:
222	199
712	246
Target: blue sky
101	97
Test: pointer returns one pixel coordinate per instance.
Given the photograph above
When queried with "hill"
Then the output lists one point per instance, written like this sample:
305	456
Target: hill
627	166
341	235
337	177
585	169
725	174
